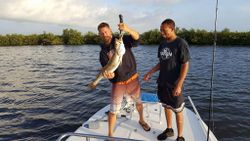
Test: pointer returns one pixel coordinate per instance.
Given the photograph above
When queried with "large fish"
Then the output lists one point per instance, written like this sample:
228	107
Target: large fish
113	62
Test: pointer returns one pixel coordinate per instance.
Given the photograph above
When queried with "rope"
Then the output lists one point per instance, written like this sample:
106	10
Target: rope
211	110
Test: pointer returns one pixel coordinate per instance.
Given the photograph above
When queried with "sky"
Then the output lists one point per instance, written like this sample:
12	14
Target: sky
38	16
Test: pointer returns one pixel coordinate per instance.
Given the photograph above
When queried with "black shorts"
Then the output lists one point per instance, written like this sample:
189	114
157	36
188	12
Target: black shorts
176	103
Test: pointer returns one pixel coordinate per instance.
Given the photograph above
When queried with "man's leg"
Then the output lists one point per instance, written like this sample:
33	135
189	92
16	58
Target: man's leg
168	113
179	121
142	122
115	106
111	120
134	90
139	108
169	132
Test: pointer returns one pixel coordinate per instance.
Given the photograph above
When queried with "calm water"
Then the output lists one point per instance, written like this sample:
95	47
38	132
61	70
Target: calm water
43	90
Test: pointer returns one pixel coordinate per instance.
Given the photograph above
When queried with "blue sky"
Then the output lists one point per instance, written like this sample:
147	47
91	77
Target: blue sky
37	16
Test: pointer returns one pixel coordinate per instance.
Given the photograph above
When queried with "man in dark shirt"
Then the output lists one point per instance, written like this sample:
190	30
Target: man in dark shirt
125	82
173	64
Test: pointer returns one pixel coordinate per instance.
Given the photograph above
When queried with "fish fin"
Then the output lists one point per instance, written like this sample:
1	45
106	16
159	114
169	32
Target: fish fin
120	62
92	86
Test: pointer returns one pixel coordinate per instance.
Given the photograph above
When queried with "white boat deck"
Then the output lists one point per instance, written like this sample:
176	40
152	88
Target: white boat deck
128	127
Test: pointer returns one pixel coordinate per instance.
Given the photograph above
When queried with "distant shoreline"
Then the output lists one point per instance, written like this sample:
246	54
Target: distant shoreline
151	37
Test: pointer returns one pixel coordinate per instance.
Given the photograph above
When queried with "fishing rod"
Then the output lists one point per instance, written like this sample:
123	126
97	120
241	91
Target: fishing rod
211	110
121	21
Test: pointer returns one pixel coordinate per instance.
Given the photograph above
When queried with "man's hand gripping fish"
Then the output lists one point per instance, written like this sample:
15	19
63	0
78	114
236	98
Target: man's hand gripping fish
113	62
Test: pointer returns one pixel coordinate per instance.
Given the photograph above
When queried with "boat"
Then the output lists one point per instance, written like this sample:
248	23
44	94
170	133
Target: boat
128	128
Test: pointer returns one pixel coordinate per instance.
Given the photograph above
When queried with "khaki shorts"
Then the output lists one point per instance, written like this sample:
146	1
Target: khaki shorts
131	91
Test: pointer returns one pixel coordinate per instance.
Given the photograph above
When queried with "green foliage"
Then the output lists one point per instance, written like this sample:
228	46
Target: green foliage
15	39
31	40
201	37
233	38
4	41
49	39
91	38
22	40
196	37
151	37
74	37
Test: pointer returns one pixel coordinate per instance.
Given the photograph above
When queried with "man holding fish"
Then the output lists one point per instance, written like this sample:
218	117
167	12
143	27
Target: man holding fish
125	81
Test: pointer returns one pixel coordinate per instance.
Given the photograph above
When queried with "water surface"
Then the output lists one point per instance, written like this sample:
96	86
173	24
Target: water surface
43	89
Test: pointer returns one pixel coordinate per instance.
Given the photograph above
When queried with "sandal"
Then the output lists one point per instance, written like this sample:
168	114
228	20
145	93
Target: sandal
145	126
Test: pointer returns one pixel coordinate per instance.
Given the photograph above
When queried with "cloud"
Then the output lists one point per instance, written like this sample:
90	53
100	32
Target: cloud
84	13
72	12
141	15
151	3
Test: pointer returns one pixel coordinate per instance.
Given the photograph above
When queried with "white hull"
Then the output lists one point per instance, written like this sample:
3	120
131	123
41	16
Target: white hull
128	127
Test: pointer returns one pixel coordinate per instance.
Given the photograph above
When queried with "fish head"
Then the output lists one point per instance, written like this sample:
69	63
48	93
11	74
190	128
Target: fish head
117	43
119	46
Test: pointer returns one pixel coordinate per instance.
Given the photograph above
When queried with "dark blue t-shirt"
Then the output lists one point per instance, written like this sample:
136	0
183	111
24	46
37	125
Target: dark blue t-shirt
172	55
128	66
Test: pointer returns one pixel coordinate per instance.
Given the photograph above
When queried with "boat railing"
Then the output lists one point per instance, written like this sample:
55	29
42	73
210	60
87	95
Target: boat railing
89	136
195	110
199	117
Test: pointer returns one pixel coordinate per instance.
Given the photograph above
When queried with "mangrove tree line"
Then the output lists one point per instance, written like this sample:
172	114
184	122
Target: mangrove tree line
74	37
